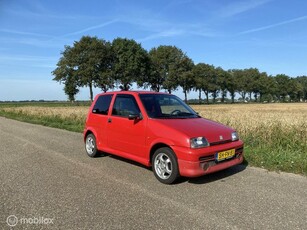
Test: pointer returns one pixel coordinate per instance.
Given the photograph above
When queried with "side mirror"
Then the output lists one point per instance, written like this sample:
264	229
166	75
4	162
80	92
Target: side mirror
135	116
97	111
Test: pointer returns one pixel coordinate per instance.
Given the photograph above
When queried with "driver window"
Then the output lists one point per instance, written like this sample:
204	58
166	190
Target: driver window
124	106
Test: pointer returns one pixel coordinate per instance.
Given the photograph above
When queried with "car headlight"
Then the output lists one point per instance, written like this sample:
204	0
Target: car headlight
198	142
234	136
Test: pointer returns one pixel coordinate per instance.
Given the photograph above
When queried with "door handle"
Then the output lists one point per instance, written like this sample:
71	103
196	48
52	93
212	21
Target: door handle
109	120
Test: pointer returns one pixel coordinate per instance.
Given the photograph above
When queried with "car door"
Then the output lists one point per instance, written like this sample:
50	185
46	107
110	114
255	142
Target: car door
99	119
126	136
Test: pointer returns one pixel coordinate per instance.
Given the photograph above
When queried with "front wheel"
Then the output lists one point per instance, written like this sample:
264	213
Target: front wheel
90	145
165	166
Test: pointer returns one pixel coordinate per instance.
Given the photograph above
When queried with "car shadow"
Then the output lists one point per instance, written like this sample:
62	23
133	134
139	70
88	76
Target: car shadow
217	176
103	154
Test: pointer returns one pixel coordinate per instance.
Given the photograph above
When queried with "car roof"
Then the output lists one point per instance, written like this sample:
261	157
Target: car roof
132	92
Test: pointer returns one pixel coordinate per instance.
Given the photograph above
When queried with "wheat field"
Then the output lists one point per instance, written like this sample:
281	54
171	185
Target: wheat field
275	135
245	118
249	119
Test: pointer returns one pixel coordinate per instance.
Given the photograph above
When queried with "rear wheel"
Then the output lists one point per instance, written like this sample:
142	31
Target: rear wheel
90	145
165	166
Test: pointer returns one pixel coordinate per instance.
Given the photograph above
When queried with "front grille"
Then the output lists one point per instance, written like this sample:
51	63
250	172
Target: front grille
240	150
238	153
220	142
207	158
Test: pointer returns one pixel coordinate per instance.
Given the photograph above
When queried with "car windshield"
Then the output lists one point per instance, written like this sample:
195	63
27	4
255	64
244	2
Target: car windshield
164	106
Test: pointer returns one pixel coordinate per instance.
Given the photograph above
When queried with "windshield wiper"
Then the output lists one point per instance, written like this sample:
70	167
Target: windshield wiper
181	115
186	114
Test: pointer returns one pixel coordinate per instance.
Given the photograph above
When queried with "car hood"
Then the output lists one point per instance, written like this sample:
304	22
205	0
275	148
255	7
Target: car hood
196	127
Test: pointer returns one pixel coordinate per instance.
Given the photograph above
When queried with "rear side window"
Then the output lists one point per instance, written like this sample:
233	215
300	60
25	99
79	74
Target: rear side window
125	105
102	104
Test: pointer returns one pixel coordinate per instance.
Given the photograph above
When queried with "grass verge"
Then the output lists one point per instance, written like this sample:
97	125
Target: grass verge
74	125
285	151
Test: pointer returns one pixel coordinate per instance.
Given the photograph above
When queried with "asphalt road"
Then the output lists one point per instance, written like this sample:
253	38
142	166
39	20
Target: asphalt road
48	181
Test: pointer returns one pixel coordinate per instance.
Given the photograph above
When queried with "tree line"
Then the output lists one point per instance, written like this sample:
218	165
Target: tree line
93	62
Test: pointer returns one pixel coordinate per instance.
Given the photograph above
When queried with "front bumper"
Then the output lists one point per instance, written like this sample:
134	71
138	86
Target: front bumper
195	169
194	163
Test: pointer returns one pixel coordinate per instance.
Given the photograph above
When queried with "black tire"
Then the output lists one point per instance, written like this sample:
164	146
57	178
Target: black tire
90	145
165	165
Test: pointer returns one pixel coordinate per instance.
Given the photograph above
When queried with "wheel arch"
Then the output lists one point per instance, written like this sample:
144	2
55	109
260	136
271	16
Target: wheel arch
157	146
87	132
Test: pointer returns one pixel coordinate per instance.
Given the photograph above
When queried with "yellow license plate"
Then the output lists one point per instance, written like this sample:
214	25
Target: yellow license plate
225	154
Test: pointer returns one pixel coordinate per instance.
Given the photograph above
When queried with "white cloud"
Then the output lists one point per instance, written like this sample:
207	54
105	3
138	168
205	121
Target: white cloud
163	34
90	28
273	25
24	33
238	7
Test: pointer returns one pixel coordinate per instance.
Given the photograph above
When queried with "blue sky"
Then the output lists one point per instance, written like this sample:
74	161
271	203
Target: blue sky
270	35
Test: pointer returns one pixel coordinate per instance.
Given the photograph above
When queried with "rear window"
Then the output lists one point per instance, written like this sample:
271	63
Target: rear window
102	104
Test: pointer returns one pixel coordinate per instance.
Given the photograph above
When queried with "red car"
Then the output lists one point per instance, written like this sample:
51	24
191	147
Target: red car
161	131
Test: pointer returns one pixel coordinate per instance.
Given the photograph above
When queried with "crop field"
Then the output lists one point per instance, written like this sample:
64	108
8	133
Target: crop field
275	135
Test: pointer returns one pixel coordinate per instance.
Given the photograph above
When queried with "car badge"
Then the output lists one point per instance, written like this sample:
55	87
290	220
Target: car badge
221	138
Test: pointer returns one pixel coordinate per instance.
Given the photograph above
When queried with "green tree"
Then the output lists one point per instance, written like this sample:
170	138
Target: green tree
93	60
131	63
167	63
282	86
259	85
265	86
71	88
222	82
214	86
185	76
252	77
87	63
197	71
242	82
204	74
295	90
232	84
153	80
65	73
303	81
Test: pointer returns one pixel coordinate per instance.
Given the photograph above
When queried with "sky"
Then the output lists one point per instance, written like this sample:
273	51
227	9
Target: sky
270	35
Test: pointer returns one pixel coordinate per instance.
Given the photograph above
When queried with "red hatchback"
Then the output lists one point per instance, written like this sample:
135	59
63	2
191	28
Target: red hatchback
161	131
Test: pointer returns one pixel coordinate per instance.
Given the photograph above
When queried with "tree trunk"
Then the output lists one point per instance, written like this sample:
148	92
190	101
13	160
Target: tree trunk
199	97
256	97
214	95
223	96
207	97
155	88
185	96
232	97
91	90
243	94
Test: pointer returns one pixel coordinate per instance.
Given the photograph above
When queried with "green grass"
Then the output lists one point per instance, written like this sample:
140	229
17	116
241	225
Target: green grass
285	151
75	125
44	104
